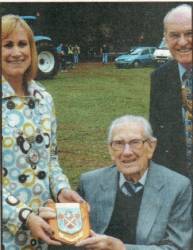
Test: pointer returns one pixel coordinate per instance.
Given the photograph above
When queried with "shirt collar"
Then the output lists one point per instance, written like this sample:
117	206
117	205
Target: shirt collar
142	180
33	88
7	90
182	70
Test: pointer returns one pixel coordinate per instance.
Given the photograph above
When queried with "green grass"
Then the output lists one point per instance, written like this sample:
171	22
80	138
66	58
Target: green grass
87	99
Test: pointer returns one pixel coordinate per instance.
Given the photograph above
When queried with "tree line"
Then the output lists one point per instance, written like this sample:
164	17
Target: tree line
120	25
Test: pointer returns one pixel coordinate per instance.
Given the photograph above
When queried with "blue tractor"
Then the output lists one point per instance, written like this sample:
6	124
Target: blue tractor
48	58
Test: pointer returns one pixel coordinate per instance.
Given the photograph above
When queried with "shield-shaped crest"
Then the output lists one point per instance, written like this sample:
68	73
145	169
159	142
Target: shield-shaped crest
69	217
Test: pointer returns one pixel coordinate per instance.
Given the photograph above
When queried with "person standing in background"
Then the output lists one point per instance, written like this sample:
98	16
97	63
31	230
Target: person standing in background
105	53
76	53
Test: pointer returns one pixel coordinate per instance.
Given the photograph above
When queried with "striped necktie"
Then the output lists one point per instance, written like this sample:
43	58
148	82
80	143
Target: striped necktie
133	188
187	113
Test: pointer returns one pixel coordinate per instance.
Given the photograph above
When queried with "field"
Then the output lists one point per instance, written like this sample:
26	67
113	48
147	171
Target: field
87	98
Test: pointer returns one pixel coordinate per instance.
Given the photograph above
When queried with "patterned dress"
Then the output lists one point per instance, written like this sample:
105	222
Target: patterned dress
31	172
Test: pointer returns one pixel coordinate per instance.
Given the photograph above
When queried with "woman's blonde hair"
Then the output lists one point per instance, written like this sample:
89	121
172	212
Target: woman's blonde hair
8	24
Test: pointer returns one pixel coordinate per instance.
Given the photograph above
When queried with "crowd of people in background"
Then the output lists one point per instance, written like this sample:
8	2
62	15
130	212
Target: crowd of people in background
69	55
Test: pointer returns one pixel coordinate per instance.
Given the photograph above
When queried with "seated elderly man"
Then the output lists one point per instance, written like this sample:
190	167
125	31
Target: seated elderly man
136	203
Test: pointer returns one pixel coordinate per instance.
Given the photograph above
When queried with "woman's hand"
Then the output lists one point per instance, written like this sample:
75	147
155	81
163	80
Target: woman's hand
46	213
101	242
38	226
68	195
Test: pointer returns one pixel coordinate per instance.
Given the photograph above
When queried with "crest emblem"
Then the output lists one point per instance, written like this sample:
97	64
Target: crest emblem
69	217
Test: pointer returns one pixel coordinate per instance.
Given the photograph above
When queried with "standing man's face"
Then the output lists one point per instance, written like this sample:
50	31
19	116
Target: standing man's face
178	35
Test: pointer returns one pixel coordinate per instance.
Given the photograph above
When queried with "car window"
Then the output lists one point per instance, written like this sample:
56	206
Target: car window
136	52
145	52
163	45
152	50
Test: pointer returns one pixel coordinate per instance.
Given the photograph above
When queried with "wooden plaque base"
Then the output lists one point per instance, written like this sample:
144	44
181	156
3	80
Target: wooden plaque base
71	223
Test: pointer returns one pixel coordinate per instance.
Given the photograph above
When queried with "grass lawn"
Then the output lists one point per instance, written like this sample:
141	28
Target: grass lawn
87	98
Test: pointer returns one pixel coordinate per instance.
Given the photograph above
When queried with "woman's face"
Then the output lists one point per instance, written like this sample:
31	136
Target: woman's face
16	55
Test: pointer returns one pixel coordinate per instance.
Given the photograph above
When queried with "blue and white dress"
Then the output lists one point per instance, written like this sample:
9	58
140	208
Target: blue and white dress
31	171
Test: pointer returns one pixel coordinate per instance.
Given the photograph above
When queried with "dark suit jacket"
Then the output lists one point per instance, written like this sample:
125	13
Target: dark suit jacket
166	118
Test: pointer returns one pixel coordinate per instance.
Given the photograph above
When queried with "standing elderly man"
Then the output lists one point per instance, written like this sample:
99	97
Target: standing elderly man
171	95
136	204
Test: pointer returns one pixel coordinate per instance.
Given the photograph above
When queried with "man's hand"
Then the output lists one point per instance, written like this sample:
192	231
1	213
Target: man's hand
68	195
101	242
39	228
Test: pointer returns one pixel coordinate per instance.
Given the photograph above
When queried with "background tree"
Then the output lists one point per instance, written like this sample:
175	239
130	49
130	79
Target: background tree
92	24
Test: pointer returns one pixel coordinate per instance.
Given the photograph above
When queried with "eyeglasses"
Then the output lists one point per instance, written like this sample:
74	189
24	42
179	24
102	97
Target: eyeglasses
134	144
175	36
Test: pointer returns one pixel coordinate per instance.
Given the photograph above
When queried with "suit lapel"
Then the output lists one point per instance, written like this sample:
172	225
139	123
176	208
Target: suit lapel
108	190
174	87
150	204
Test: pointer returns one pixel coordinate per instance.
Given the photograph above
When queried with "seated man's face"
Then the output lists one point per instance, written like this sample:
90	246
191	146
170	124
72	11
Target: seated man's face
131	150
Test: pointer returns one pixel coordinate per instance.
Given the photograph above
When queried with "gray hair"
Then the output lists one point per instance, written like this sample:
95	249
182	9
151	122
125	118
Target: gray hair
127	119
183	8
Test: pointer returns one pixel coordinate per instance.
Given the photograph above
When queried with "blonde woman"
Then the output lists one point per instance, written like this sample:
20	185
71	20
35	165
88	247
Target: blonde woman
31	171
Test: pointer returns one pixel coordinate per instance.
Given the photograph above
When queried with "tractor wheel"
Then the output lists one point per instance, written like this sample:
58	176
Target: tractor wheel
48	61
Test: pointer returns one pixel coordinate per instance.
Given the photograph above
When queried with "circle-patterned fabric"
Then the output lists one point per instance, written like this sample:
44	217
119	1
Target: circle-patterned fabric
30	162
